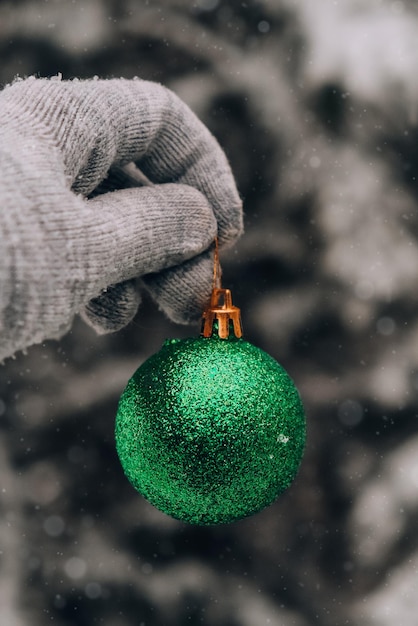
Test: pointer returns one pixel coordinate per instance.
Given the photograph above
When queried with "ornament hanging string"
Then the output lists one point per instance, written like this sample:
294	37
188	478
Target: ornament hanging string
217	271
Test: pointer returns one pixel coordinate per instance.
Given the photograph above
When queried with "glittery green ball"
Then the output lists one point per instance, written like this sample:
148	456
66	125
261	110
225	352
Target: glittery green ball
210	430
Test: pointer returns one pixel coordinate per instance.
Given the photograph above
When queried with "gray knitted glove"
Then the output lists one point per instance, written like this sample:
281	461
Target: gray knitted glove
64	142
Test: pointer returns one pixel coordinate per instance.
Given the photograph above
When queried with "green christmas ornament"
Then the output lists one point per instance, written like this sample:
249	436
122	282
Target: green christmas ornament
211	429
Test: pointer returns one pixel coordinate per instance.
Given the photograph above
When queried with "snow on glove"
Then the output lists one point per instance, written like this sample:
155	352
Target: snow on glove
68	242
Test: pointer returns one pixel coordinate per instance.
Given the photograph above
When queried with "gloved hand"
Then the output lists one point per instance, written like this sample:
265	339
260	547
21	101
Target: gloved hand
69	239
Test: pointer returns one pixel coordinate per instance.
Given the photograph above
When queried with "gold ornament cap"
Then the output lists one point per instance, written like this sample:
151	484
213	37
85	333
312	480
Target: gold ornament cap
222	311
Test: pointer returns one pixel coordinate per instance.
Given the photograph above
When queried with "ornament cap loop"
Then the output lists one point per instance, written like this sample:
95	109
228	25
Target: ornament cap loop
222	311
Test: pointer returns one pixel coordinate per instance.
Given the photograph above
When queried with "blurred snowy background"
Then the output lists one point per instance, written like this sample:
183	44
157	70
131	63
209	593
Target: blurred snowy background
316	105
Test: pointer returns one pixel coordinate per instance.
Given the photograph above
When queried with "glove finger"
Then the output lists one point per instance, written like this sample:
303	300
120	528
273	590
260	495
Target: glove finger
181	149
183	292
113	309
139	231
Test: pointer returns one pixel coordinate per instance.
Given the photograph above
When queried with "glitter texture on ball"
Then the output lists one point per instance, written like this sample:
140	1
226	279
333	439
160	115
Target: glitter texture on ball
210	430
